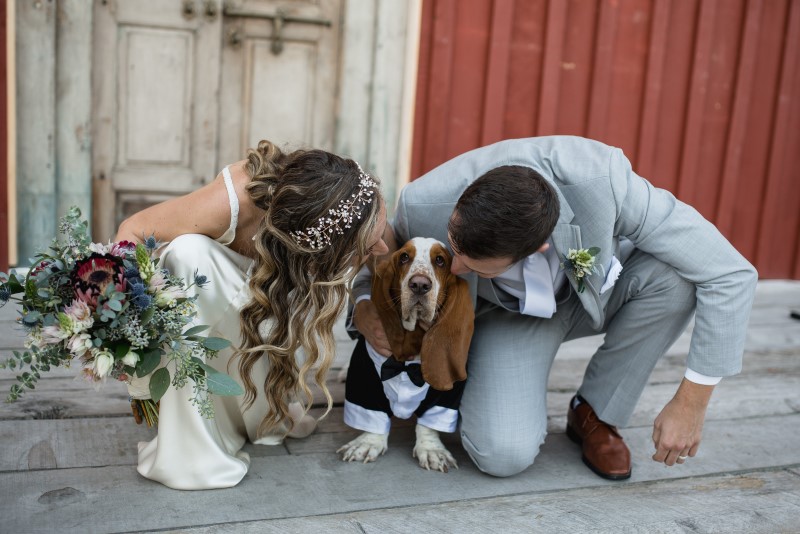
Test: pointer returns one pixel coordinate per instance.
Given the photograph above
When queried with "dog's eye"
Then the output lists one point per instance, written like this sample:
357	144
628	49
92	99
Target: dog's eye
439	261
403	258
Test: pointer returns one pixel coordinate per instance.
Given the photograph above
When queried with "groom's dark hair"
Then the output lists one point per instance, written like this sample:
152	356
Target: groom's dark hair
509	212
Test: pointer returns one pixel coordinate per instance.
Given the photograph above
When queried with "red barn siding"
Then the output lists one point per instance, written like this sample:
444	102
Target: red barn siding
702	95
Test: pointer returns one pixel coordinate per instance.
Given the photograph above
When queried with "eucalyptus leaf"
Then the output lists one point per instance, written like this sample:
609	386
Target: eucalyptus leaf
148	361
159	383
220	383
195	330
147	316
594	251
216	343
115	305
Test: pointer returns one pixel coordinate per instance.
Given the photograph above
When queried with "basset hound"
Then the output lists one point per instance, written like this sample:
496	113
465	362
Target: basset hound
428	317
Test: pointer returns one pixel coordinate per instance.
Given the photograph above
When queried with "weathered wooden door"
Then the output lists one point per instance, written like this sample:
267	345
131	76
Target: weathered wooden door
184	86
280	64
156	70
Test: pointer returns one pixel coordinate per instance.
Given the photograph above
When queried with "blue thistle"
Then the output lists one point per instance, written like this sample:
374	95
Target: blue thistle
150	243
200	279
137	288
132	273
142	301
5	294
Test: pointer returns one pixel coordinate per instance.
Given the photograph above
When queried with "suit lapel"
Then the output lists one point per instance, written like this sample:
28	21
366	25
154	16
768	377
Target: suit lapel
566	236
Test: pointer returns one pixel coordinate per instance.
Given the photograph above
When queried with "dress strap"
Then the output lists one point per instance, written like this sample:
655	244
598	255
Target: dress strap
229	235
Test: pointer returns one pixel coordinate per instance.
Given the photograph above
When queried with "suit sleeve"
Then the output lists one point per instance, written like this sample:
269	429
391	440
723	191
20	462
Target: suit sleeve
675	233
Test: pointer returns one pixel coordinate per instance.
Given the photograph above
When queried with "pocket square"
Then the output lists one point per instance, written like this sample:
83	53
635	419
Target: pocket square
613	274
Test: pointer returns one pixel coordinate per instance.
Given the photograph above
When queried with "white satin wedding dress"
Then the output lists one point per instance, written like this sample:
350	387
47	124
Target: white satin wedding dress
191	452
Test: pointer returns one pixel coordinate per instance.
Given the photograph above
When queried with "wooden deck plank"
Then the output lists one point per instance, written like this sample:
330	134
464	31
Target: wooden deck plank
91	442
752	502
308	485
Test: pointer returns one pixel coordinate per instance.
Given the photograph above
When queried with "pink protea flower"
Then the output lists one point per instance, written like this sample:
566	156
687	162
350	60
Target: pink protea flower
122	248
81	315
93	275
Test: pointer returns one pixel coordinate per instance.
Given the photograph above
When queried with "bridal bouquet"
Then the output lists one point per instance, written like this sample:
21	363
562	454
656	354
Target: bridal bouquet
113	309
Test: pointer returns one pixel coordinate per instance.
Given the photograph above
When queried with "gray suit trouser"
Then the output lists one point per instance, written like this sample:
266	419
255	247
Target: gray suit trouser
504	407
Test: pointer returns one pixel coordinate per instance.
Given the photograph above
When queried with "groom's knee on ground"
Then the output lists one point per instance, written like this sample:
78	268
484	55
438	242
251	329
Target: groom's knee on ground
500	455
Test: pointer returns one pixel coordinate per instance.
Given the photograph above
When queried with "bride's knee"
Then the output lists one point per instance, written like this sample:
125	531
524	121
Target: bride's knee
186	253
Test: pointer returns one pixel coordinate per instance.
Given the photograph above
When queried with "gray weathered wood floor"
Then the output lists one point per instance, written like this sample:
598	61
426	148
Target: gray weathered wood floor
68	462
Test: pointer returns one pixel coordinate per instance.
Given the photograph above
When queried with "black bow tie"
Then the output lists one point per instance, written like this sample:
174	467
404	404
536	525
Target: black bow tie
391	368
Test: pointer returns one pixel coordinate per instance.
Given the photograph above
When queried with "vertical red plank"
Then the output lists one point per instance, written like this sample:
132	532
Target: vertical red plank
494	102
4	200
629	60
575	81
422	101
525	66
697	95
551	71
602	69
778	248
672	107
437	120
470	66
653	86
739	121
719	102
749	207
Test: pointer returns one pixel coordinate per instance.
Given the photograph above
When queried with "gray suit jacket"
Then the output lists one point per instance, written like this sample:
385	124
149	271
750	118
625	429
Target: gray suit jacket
603	200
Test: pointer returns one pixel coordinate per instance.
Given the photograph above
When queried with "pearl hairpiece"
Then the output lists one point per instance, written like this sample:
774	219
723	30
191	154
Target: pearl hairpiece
319	235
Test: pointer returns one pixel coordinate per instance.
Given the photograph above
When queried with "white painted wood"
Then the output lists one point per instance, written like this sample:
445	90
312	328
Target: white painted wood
287	98
376	109
156	76
11	125
36	128
74	106
358	45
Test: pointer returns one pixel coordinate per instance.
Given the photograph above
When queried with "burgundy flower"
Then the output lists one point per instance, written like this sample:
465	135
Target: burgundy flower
93	275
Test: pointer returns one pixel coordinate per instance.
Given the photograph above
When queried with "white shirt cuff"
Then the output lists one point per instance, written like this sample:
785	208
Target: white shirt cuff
697	378
363	297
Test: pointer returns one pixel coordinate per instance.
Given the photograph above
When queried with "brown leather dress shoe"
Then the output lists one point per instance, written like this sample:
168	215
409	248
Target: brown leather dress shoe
604	452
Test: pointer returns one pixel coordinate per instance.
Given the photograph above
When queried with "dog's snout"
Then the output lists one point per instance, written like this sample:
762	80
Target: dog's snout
419	284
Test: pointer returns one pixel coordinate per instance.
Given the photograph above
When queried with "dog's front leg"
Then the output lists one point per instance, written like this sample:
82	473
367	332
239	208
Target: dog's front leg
365	448
431	452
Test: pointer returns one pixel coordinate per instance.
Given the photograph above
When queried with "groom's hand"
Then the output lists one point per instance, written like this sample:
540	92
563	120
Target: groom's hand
367	321
678	429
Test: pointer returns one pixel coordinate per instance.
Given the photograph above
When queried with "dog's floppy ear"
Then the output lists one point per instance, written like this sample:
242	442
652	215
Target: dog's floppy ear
446	344
385	297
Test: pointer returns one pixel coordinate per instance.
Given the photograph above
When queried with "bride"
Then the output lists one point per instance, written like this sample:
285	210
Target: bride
279	236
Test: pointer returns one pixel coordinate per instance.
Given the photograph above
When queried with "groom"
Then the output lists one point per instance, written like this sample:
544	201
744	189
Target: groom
560	239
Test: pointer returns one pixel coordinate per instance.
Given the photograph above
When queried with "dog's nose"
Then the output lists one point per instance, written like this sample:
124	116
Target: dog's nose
419	284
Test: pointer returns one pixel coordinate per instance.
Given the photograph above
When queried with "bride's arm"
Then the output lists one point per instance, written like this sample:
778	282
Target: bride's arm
205	211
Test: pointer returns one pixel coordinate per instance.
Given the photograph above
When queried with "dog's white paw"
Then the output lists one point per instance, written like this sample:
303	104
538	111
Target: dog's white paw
430	452
365	448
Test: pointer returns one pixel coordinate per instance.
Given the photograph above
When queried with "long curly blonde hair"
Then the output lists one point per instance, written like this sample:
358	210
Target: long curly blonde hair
298	290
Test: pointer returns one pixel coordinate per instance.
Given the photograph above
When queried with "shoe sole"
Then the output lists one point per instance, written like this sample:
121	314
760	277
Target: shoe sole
572	435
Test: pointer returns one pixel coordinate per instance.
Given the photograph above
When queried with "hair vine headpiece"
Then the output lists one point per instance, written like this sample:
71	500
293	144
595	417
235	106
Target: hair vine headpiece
319	235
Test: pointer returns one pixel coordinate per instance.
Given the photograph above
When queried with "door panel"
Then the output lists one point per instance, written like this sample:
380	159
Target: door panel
156	79
288	97
182	88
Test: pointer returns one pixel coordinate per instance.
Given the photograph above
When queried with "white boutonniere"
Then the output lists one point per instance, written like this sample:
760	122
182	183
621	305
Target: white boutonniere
578	263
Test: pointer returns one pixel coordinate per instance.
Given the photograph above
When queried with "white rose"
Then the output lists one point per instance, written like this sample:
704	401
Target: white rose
103	362
131	359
